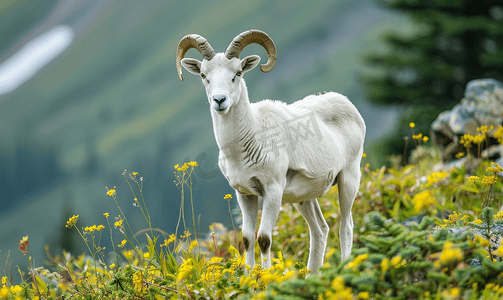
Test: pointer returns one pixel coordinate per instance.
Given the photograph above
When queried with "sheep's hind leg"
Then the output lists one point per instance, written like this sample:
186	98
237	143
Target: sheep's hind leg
348	184
249	210
318	233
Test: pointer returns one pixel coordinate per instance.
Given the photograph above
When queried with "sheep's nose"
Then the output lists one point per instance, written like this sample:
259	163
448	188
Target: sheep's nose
219	99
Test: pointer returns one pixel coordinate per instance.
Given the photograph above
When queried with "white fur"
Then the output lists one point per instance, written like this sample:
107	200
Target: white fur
266	151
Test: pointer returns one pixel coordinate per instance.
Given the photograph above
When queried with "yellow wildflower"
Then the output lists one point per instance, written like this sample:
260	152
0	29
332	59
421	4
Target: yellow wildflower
357	261
128	254
338	283
417	136
94	228
192	163
267	277
122	243
111	192
215	260
146	255
4	292
499	134
237	261
106	215
227	196
118	223
341	292
304	272
134	173
499	251
479	139
452	293
449	253
330	253
112	266
436	177
466	140
473	179
447	221
364	155
363	295
256	271
483	242
499	215
425	139
193	245
489	180
185	269
171	239
72	221
459	155
453	219
423	200
138	282
186	234
396	261
495	168
15	289
478	222
214	270
485	129
455	216
4	280
412	125
184	167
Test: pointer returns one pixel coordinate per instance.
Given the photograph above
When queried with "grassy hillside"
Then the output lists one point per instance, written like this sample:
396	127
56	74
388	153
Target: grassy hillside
113	101
411	241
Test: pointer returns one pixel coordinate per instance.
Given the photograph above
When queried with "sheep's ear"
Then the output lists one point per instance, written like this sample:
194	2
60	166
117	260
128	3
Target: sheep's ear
192	65
249	62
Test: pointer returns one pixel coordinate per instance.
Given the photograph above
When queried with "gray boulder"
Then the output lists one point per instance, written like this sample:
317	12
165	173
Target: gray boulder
481	105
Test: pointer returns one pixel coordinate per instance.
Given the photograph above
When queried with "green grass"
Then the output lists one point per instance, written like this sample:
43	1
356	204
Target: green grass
445	254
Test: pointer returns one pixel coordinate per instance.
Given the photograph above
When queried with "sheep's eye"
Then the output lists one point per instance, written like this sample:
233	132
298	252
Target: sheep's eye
238	73
204	77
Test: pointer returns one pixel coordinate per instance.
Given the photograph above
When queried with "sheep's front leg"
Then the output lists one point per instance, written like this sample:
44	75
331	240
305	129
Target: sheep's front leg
270	211
249	209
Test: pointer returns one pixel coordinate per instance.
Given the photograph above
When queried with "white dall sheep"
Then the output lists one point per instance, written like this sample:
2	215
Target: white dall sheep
281	152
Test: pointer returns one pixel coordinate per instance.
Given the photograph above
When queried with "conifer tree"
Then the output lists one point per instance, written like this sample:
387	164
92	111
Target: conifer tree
455	41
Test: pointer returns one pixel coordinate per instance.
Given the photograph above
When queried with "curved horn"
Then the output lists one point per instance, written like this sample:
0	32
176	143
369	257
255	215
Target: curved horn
258	37
192	41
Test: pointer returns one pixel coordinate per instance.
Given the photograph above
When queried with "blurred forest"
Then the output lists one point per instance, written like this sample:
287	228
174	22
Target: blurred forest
112	100
426	72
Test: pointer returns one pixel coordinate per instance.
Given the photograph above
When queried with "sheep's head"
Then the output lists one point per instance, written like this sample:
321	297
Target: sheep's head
221	73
